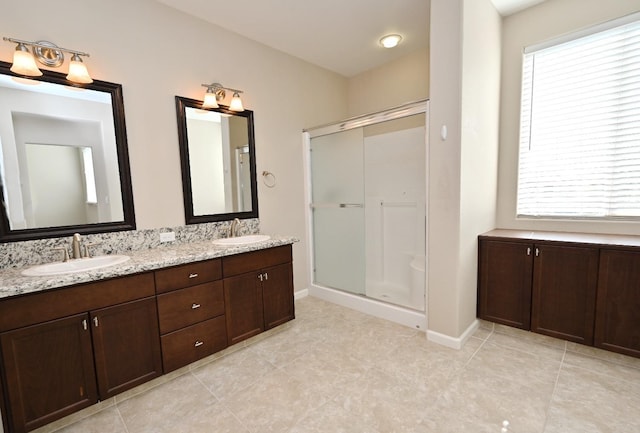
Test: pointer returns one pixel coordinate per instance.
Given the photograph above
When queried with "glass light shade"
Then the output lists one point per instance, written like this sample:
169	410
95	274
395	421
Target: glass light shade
78	71
236	103
210	100
24	63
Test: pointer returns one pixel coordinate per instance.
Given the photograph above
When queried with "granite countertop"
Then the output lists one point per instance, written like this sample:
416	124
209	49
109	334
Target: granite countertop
13	283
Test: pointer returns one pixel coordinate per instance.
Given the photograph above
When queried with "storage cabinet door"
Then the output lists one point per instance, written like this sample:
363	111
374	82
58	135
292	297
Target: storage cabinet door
277	295
618	304
564	292
504	282
126	345
48	371
243	307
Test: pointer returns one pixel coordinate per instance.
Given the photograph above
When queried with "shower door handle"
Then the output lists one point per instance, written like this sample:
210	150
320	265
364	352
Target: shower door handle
335	205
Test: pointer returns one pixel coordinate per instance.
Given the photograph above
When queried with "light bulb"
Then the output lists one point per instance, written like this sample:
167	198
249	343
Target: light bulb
390	41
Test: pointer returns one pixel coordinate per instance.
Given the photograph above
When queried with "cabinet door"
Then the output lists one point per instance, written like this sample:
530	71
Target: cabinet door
564	292
126	345
277	295
243	307
48	371
618	305
504	282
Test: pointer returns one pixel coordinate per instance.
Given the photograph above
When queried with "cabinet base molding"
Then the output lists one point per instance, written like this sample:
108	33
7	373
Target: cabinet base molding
453	342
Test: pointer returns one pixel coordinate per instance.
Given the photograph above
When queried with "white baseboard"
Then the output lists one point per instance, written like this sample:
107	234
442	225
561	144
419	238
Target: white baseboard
301	294
453	342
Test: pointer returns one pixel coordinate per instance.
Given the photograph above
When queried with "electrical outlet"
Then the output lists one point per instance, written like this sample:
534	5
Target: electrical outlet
168	237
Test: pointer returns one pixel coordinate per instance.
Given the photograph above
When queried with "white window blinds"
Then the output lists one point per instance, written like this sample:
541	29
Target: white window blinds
580	127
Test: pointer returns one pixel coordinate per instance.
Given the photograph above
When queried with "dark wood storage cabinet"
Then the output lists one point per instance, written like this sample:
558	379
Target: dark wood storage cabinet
548	288
576	287
49	371
618	305
258	291
504	281
564	291
62	350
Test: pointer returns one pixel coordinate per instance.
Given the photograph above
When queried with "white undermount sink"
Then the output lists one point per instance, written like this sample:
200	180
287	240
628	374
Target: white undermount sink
241	240
75	265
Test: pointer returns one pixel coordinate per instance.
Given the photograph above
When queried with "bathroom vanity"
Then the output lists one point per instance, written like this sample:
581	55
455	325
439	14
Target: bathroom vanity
66	348
579	287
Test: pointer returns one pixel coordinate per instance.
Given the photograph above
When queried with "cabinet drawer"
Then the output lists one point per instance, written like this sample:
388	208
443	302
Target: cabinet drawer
253	261
187	345
185	307
187	275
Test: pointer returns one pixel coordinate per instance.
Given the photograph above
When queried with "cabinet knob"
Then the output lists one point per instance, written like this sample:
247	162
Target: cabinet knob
84	324
198	343
266	276
194	275
195	306
260	277
95	321
528	251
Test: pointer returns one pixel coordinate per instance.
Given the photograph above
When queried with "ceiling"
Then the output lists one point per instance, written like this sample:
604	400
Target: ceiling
346	42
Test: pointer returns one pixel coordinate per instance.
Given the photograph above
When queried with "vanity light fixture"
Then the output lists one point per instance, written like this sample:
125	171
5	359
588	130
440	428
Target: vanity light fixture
48	54
216	93
390	41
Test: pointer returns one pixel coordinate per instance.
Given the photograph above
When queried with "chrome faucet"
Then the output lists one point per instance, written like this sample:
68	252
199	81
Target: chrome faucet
75	247
233	230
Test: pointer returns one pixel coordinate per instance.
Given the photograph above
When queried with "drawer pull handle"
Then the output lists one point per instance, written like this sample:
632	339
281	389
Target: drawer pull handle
95	321
198	343
84	324
194	306
194	275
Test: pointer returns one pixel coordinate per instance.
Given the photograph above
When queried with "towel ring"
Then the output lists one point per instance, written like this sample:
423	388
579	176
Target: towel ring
269	179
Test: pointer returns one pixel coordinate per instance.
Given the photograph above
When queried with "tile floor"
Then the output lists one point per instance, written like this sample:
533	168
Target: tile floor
337	370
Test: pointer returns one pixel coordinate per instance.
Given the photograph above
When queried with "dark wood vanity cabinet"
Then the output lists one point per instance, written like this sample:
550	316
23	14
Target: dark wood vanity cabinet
578	290
64	349
618	305
191	312
258	291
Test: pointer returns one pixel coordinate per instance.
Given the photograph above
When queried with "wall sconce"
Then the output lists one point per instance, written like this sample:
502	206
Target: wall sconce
216	93
48	54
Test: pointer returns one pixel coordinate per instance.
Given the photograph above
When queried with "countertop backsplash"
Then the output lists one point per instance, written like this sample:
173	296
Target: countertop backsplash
19	254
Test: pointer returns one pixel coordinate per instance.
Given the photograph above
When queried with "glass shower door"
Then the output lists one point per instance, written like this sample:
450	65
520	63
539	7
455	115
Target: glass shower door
337	194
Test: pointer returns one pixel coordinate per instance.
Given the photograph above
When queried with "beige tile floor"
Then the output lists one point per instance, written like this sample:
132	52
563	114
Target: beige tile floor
337	370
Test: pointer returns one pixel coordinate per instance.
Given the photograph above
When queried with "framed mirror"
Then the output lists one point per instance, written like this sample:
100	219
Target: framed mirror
217	154
64	163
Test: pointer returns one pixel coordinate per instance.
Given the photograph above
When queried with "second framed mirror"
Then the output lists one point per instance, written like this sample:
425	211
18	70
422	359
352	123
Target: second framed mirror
217	155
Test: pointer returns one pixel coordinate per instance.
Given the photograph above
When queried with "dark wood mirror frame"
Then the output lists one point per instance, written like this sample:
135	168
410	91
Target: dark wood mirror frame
128	223
190	218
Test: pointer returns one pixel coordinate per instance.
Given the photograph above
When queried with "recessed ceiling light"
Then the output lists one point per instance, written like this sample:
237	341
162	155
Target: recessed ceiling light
390	41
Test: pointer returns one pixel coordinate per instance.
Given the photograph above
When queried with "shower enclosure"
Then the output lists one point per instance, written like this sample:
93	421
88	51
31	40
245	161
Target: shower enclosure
367	201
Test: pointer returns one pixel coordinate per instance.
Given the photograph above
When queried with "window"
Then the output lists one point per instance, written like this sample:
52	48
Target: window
580	126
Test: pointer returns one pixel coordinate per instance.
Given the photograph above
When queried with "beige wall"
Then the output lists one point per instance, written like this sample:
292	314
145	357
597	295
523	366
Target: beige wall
464	71
534	25
393	84
155	53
